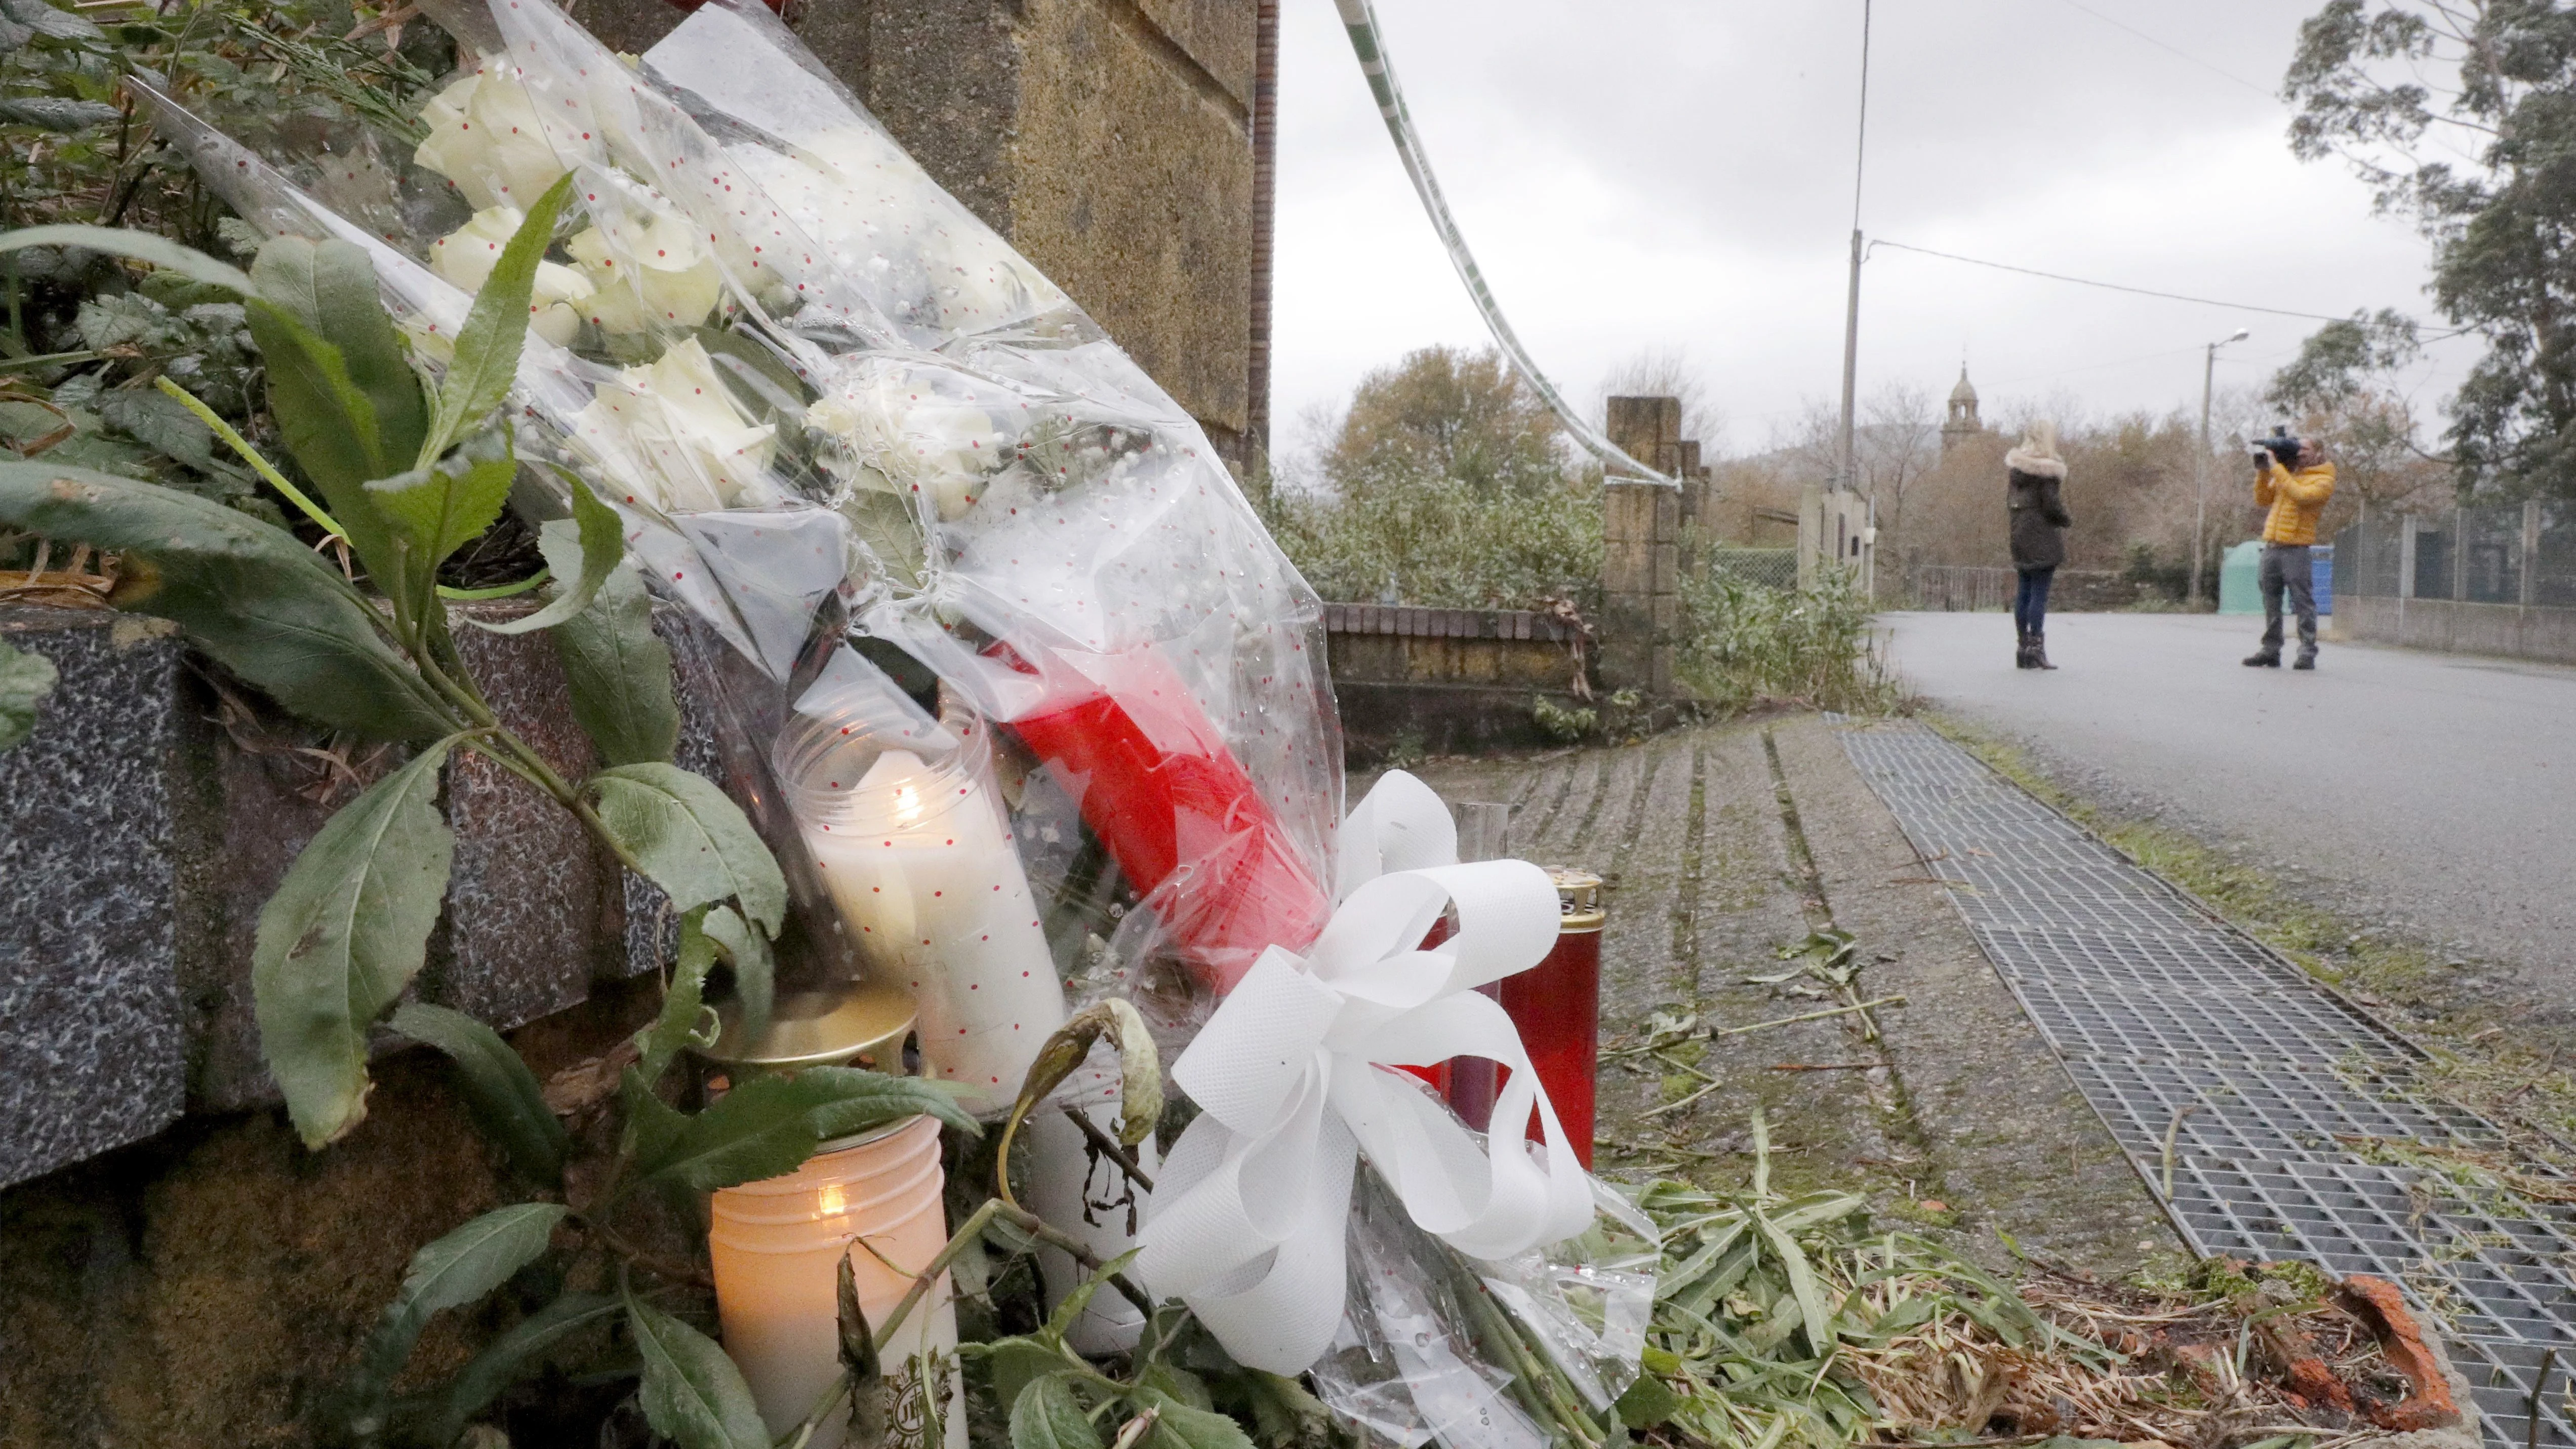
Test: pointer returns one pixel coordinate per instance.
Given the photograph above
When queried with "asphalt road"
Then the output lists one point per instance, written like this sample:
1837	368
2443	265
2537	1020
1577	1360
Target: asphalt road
2432	793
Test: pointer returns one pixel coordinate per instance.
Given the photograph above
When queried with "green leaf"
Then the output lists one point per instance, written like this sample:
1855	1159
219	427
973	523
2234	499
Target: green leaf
582	552
50	21
619	672
141	246
754	971
248	594
1802	1282
487	347
26	678
682	1002
1046	1415
52	113
1060	1322
1648	1402
500	1091
441	508
343	937
691	840
1016	1363
452	1272
330	287
1181	1426
693	1394
506	1358
165	424
767	1126
330	426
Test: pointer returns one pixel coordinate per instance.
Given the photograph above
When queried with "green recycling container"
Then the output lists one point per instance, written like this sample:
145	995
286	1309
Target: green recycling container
2240	575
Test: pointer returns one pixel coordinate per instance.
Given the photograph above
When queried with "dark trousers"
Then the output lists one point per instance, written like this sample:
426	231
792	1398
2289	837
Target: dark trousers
2030	601
2287	569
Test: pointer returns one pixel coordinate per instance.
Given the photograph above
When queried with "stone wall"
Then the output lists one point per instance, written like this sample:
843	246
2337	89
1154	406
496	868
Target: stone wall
1110	140
1448	681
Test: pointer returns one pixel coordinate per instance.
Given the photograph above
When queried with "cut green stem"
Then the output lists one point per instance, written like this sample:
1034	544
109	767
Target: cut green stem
250	455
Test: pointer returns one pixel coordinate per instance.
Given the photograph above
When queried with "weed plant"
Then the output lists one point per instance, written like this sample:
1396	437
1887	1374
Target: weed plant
1744	645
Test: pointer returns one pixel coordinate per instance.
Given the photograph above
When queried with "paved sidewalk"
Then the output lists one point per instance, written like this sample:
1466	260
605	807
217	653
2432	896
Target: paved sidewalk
2277	1119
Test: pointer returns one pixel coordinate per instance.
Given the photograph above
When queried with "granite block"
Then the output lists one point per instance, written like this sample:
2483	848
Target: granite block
529	889
92	1047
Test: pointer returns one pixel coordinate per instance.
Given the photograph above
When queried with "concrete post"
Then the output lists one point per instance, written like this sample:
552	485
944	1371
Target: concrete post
2530	551
2459	555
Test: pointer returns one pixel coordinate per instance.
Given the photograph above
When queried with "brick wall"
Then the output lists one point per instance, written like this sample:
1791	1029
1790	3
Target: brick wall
1448	681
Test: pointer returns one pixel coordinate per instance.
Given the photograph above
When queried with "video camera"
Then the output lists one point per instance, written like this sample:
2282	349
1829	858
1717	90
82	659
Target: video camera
2281	446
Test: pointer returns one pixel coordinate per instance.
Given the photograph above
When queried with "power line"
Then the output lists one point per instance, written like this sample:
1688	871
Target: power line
2442	336
2171	50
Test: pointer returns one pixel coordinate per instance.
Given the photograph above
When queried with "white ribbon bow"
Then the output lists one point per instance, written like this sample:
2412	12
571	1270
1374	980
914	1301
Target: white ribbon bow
1292	1077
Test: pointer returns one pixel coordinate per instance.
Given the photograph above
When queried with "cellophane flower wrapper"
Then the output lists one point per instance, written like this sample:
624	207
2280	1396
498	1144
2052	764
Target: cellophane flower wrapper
828	402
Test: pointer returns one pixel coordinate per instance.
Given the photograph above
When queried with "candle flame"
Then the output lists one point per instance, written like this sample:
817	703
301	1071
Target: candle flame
907	804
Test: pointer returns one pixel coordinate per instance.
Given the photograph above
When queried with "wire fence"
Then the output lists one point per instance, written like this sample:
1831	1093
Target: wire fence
2518	554
1769	568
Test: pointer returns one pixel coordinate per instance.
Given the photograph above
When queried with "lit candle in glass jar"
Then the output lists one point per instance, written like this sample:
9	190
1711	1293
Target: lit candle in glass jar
918	857
777	1247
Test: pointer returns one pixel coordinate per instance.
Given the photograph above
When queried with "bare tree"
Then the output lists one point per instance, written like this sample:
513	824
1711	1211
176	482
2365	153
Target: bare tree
1669	372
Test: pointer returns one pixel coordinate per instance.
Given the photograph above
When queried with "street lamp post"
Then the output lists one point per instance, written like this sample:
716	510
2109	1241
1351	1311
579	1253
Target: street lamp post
2200	464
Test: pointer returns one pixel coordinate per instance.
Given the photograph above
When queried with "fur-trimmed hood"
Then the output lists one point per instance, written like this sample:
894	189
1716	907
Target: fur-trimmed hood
2036	464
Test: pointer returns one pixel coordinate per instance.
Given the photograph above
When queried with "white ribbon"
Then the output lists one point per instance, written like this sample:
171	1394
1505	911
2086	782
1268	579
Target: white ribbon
1293	1077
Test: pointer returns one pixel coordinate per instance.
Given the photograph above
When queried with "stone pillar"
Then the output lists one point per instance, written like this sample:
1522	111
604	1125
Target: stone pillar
1640	584
1110	143
1641	556
2459	547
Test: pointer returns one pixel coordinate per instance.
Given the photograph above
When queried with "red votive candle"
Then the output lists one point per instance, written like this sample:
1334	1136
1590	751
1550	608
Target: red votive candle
1557	1006
1188	827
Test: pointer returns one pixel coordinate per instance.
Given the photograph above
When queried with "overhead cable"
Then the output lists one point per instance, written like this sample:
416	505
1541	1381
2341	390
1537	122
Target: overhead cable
2134	291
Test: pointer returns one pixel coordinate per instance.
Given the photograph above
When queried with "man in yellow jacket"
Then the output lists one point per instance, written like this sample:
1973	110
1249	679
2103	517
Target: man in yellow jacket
2295	495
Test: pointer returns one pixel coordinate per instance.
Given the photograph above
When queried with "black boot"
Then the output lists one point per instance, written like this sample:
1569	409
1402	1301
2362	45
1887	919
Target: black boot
2267	657
2021	650
2307	658
2039	650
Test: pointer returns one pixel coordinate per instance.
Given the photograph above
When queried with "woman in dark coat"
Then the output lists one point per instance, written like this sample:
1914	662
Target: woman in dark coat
2039	523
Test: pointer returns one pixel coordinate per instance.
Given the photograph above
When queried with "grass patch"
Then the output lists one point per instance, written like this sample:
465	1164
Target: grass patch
2484	1057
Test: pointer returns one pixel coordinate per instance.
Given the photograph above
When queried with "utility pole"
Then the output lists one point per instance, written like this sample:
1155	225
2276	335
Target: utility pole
2200	464
1851	316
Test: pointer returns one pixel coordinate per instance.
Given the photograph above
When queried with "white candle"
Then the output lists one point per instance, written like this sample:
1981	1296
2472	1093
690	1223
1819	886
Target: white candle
920	862
777	1248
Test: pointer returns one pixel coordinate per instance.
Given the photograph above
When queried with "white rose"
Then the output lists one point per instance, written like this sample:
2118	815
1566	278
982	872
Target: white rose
648	274
943	448
672	432
467	255
485	136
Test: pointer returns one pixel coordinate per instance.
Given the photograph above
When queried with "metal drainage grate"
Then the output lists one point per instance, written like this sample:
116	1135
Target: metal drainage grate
2276	1093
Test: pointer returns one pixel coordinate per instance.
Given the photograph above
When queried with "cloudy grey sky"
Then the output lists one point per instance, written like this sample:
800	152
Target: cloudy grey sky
1639	174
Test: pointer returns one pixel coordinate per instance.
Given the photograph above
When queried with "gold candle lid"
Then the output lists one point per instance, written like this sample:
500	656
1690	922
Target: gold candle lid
1578	897
862	1023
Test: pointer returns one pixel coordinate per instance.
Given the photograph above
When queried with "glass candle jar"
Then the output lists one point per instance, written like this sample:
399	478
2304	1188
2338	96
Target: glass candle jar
913	845
777	1247
1557	1006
